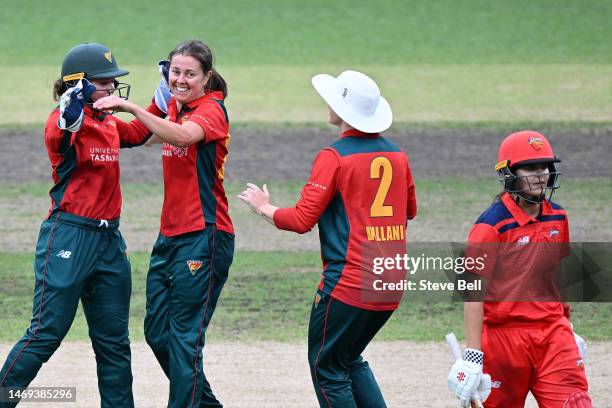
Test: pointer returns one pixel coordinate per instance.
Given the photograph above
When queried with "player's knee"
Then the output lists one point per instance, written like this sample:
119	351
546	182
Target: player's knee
157	342
578	399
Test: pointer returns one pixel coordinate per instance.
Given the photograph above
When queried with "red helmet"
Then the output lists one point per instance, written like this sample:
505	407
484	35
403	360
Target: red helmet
523	148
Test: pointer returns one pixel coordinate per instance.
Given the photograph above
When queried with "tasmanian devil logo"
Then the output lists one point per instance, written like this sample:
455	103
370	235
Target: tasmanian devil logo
536	142
317	300
194	266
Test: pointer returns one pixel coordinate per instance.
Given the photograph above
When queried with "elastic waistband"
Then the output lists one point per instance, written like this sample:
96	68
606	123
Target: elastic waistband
89	223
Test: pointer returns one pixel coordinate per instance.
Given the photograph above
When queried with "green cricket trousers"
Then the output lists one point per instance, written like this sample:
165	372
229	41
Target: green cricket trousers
186	275
78	259
337	335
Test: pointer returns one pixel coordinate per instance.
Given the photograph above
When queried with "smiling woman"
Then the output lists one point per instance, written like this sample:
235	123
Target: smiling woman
192	256
192	74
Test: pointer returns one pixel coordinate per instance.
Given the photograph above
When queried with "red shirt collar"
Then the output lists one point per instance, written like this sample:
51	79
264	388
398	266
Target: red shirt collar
517	212
210	95
359	133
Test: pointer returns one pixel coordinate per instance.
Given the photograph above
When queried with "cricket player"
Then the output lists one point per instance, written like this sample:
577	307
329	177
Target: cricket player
191	259
361	194
525	345
80	254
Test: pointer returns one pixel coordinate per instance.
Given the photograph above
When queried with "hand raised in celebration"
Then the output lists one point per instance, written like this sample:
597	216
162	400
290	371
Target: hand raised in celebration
114	103
255	197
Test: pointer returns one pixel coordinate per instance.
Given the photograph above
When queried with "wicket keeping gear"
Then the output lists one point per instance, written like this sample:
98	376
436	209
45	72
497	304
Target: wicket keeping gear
162	96
71	105
465	376
525	148
164	70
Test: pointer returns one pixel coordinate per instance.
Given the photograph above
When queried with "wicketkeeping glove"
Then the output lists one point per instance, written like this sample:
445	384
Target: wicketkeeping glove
465	376
163	93
164	69
72	103
162	96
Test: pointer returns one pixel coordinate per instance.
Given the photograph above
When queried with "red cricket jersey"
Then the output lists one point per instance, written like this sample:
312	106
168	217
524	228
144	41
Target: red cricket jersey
193	175
529	248
361	193
85	164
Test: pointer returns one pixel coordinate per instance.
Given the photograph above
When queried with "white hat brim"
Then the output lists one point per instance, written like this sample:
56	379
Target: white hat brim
327	86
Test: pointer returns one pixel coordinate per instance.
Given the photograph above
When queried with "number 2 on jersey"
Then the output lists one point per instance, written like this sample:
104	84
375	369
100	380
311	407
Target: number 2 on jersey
378	165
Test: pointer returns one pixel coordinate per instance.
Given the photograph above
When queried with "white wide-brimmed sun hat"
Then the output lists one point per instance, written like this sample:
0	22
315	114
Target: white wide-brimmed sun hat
355	97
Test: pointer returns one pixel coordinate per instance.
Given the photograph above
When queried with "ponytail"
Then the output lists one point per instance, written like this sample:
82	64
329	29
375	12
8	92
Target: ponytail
216	83
59	87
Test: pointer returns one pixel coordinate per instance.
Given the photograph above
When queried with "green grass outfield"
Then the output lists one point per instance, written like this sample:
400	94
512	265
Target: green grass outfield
267	297
269	292
278	32
418	93
436	61
586	200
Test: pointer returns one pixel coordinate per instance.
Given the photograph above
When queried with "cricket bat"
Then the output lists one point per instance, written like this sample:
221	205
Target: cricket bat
454	346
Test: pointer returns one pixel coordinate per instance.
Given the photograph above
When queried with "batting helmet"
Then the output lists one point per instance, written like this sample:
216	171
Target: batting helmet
521	149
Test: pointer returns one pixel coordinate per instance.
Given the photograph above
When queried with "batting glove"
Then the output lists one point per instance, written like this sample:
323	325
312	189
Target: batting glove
72	103
582	346
465	376
580	343
484	388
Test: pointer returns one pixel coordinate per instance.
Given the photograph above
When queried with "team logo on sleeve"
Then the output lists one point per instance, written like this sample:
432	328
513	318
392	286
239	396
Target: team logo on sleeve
553	233
536	142
317	299
194	266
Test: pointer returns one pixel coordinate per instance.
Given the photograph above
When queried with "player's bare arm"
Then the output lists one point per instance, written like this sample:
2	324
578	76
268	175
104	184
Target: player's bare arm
170	132
473	315
258	201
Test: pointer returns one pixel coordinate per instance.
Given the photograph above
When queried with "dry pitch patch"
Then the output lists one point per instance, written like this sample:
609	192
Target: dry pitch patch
287	154
268	374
